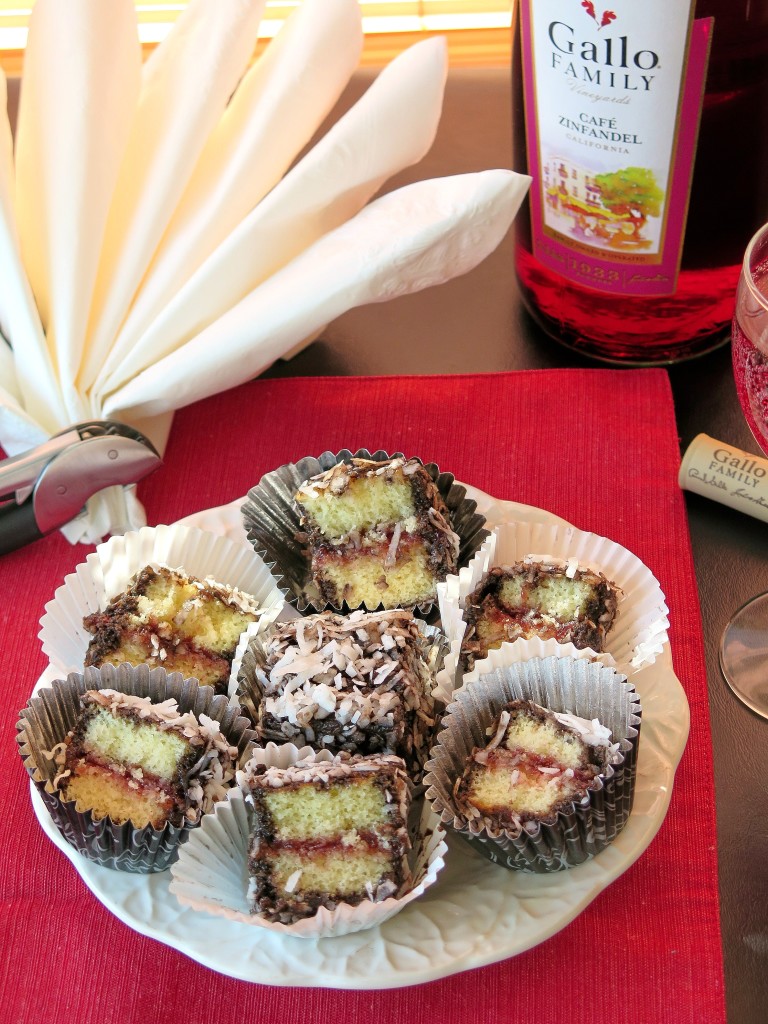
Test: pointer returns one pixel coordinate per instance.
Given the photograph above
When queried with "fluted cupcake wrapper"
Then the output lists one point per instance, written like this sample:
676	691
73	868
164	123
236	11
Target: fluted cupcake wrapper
211	873
108	571
272	524
52	713
572	686
250	689
510	654
639	634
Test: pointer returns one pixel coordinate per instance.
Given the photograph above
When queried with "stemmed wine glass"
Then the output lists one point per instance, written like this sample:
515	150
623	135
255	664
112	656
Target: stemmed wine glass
744	645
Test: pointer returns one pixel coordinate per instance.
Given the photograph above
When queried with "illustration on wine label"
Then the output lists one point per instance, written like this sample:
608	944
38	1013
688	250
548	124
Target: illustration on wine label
613	97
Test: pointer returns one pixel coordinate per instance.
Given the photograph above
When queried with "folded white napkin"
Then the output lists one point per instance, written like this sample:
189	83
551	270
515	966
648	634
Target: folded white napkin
155	246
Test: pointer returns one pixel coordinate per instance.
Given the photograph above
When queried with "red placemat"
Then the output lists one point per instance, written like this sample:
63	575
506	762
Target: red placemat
597	447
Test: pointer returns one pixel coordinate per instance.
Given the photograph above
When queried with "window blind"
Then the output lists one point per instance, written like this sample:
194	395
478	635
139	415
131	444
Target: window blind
477	31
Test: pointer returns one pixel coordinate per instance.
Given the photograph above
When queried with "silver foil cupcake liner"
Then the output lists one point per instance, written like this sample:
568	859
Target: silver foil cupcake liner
250	690
567	685
271	522
52	713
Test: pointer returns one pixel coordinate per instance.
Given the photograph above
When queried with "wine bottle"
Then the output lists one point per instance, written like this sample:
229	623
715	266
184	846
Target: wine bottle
643	127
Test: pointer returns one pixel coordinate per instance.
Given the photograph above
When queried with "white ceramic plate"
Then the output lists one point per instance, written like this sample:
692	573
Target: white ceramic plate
477	913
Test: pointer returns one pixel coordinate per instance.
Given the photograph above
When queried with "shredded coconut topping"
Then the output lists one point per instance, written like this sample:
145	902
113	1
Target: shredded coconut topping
229	595
293	880
392	549
438	521
337	478
593	733
332	678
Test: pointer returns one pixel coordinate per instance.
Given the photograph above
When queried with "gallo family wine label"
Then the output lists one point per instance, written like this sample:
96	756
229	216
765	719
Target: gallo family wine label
613	98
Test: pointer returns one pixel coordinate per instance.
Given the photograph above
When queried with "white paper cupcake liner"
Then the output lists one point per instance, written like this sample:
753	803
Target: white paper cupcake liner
47	719
211	872
108	571
573	686
272	524
639	633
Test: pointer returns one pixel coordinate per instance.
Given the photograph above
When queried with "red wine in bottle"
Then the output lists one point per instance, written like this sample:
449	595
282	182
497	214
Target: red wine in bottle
643	127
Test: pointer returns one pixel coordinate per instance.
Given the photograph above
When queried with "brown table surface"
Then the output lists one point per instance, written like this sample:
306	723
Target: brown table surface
477	324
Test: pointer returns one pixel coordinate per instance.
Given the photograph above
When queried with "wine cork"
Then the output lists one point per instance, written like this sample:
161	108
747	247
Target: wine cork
726	474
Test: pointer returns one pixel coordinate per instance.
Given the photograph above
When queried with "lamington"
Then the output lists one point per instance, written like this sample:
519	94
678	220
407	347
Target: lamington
358	683
128	759
379	534
532	598
171	619
324	833
536	764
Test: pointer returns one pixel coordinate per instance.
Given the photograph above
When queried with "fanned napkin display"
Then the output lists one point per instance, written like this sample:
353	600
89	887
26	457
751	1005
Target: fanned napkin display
164	232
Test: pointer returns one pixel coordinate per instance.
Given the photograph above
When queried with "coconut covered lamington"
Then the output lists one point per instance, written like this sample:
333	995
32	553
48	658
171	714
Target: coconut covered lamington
171	619
357	683
534	598
128	759
536	764
379	533
325	833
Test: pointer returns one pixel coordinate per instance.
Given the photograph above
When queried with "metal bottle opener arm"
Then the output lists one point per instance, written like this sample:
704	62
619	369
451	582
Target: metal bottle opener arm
48	486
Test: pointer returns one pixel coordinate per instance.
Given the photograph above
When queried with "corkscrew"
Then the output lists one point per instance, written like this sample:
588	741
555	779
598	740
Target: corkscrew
48	486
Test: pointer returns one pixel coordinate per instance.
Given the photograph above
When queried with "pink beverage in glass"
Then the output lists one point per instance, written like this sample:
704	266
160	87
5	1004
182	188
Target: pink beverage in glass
744	644
750	337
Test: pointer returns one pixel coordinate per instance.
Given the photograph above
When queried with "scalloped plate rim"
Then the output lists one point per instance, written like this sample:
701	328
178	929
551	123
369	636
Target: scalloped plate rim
287	962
